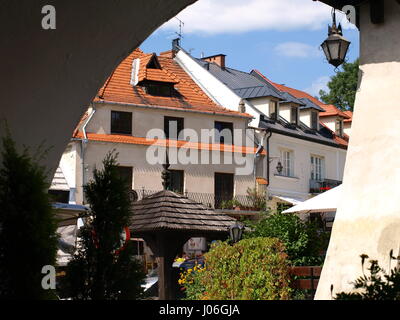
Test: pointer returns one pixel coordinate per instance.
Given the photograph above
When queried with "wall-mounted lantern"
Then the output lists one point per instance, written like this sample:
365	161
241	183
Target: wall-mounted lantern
279	167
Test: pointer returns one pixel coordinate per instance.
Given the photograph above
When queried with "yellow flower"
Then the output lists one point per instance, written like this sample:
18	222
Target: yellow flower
189	270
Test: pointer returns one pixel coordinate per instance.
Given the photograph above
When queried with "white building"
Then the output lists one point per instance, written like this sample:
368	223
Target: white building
304	156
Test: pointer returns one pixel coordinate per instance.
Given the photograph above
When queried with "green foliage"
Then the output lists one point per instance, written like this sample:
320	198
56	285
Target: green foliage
302	239
98	270
191	280
378	285
252	269
28	238
342	87
258	198
230	204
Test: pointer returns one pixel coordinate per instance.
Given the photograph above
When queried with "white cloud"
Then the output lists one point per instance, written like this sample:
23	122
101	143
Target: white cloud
316	85
235	16
297	49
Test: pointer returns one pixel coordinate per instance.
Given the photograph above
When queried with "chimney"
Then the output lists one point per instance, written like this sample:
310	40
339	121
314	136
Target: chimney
242	107
175	46
218	59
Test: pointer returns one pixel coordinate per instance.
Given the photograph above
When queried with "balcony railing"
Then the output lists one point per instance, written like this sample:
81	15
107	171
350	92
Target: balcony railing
319	186
243	202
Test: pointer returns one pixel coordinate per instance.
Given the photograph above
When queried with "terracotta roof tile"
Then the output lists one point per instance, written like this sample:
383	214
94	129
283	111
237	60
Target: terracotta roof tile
188	96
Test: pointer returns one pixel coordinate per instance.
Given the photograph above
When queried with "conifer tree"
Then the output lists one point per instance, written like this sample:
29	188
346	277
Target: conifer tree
99	270
28	239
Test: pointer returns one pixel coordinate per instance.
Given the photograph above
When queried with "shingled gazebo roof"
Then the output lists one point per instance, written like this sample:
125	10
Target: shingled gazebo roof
167	210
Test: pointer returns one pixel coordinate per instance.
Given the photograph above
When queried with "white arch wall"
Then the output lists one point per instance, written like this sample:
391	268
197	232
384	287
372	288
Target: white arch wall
49	77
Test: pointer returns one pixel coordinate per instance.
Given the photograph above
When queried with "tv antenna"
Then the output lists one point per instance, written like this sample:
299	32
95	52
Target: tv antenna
181	24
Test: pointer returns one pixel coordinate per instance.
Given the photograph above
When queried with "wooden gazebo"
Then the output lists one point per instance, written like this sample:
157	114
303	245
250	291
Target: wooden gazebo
166	220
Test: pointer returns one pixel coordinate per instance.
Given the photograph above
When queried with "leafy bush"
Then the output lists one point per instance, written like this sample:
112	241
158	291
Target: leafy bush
377	286
302	239
28	239
252	269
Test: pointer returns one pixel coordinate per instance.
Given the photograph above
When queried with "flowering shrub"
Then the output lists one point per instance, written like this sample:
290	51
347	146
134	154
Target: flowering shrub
252	269
190	280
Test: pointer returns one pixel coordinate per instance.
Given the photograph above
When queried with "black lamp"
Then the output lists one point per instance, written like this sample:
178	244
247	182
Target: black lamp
236	232
279	167
335	46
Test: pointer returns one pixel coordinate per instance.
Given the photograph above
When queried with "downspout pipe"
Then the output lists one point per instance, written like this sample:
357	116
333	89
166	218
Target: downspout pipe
268	157
84	141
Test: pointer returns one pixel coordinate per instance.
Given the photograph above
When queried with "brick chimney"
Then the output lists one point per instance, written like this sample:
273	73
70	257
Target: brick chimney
218	59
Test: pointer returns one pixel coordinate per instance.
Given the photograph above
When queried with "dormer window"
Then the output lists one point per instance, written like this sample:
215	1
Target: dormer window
294	115
339	127
314	120
273	110
159	89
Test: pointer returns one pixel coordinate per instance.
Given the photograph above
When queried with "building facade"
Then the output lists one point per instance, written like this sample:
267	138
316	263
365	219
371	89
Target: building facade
305	154
150	105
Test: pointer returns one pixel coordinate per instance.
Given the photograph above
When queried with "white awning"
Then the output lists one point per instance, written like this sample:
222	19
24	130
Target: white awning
324	202
290	200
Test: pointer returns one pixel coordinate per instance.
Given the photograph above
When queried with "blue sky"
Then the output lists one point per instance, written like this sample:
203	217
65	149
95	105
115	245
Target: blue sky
280	38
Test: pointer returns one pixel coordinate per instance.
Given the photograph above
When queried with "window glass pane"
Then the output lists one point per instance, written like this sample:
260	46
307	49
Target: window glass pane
121	122
174	123
176	180
224	132
293	115
314	120
223	188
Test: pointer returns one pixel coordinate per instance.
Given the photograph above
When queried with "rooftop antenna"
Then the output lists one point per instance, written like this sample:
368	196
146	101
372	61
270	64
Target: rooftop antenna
181	24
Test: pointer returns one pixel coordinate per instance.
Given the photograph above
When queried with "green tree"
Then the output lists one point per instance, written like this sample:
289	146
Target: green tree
28	238
303	241
342	87
99	270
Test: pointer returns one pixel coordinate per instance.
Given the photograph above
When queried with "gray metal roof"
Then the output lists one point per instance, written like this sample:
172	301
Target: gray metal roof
244	84
281	126
289	98
308	104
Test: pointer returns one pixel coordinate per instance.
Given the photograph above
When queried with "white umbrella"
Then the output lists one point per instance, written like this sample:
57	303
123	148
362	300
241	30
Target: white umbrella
324	202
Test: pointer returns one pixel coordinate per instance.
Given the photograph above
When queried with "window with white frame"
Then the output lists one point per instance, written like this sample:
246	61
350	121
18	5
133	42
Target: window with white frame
317	168
287	158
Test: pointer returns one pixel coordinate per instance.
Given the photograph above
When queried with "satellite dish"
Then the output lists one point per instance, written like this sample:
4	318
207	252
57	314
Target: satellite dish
133	195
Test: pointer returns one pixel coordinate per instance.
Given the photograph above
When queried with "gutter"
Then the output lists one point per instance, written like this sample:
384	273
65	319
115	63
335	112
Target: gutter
146	106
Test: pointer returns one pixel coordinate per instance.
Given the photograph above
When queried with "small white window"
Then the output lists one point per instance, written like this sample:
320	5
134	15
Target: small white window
287	163
317	168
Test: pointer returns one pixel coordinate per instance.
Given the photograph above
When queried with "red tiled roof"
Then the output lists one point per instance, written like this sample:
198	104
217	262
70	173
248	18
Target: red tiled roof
342	141
350	114
189	95
115	138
